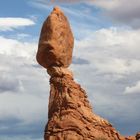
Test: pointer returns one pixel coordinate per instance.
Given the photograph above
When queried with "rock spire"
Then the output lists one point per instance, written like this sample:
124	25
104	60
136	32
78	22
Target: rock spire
70	116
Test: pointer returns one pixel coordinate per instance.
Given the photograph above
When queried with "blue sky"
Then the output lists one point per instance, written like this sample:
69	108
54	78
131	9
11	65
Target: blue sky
106	62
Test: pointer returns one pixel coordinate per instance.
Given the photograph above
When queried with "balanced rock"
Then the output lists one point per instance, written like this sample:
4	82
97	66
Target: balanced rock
70	115
56	41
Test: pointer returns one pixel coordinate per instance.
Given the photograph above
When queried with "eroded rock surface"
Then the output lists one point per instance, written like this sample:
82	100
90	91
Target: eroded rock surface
138	136
70	115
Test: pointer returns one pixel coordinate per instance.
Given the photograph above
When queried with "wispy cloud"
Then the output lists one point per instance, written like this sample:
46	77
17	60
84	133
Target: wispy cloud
111	50
59	1
10	23
133	89
115	9
121	11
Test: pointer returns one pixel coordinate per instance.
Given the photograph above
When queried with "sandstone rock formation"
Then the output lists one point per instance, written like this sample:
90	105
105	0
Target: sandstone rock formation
56	41
70	115
138	136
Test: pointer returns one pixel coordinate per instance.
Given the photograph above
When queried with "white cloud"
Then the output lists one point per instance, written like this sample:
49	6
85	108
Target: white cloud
123	11
106	4
22	36
111	50
7	83
18	104
10	23
24	89
17	48
133	89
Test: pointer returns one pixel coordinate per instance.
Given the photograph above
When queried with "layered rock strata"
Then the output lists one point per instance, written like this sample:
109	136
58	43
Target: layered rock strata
70	115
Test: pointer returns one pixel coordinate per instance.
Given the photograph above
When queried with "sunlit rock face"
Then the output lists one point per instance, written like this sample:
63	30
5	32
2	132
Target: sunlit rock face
56	41
70	115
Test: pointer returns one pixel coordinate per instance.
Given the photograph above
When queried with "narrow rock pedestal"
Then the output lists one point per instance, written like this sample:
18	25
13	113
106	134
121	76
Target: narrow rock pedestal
70	114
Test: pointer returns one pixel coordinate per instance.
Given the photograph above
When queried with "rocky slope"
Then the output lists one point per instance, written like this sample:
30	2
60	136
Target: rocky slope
70	115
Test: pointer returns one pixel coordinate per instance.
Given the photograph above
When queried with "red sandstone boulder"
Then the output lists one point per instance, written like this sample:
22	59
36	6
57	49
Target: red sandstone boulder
56	41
